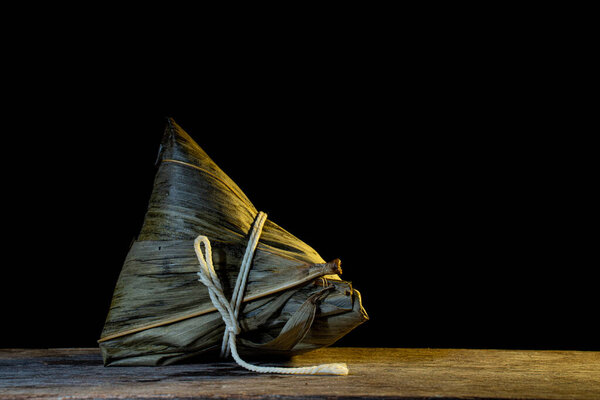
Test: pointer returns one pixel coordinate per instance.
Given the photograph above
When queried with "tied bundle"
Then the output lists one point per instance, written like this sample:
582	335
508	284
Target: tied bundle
209	273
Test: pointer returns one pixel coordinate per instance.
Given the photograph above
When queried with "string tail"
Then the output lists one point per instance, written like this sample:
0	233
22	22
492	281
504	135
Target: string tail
322	369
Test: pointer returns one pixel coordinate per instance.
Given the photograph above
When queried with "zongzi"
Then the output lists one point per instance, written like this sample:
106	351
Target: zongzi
208	272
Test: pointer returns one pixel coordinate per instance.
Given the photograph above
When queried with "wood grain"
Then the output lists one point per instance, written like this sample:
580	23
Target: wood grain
374	373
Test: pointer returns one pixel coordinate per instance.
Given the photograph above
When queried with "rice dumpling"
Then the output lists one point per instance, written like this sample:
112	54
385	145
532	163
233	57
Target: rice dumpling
289	300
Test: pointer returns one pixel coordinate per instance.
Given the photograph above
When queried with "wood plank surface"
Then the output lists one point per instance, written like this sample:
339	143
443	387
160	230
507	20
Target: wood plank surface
374	373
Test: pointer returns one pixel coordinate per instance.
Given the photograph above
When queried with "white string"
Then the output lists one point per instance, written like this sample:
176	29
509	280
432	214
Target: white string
240	284
229	310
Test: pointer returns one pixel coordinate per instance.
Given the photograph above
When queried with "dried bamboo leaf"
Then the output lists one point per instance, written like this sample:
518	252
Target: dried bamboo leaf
161	314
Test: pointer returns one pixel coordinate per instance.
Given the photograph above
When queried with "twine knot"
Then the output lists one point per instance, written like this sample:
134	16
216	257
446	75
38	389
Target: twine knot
229	310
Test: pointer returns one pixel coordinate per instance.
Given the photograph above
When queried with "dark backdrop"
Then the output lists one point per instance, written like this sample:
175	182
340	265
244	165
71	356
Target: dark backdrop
457	197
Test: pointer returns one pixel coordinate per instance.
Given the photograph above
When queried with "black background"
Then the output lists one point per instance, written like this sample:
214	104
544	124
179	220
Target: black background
450	181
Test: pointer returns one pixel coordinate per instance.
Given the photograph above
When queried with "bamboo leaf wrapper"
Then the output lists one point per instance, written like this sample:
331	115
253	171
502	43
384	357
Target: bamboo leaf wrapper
294	300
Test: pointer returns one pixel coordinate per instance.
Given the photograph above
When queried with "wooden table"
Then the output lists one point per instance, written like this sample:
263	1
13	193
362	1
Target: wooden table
374	373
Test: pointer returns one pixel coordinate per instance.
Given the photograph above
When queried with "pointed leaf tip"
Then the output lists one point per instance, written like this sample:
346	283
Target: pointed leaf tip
336	265
171	122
